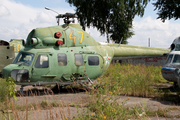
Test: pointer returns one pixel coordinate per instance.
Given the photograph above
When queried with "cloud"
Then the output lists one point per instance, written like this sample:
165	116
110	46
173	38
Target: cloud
4	11
96	34
43	17
160	34
20	19
17	20
19	13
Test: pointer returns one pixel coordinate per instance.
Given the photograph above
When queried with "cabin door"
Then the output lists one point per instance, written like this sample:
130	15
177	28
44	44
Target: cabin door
41	67
93	66
78	71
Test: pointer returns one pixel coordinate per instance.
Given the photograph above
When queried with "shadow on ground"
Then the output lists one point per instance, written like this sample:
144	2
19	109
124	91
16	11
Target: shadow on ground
170	93
38	91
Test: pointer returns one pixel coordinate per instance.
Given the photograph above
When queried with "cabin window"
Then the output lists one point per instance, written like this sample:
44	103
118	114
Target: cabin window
93	60
24	58
169	59
62	59
176	59
78	59
42	61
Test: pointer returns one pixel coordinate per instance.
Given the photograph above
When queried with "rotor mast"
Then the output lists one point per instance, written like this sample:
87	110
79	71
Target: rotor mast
66	17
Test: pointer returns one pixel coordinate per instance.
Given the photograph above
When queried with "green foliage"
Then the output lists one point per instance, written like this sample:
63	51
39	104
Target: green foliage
110	17
136	80
11	91
7	89
167	9
124	79
44	104
3	93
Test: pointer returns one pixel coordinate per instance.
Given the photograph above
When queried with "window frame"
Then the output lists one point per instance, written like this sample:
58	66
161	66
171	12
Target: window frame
78	61
175	58
63	58
41	66
170	58
90	61
19	55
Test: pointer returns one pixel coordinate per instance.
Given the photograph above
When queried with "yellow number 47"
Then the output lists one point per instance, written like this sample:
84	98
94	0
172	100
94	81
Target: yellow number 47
81	35
74	37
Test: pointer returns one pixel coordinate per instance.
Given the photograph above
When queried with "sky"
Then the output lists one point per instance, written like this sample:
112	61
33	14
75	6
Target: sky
19	17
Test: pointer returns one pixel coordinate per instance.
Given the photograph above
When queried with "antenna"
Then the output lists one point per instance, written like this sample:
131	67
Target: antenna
120	42
149	44
53	11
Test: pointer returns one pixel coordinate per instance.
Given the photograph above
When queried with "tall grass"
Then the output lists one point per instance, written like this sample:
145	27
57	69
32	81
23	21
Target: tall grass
128	79
3	90
124	79
102	103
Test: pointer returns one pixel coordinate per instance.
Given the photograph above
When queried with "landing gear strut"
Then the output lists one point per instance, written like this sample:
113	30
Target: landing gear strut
21	90
175	86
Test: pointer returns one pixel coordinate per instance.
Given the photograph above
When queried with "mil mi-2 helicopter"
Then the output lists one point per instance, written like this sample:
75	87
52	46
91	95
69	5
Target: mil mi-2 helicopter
66	54
8	51
170	71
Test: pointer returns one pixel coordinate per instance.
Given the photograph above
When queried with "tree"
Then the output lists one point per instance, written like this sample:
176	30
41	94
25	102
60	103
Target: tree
110	17
167	9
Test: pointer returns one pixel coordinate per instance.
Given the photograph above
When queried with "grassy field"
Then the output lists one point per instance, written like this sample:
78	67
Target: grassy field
135	80
131	80
126	79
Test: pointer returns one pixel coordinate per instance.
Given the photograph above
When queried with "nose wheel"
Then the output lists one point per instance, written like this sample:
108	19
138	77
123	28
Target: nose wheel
21	90
175	87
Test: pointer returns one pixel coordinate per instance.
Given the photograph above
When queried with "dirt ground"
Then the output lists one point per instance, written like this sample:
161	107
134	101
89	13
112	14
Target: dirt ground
70	100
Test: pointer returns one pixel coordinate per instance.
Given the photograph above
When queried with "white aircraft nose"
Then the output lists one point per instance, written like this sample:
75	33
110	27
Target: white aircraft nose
168	74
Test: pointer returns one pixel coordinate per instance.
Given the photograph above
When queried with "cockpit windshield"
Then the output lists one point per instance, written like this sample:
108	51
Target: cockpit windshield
169	58
24	58
176	59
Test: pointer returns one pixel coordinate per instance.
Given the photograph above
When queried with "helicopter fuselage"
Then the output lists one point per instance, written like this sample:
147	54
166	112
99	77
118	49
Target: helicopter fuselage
172	63
170	71
45	61
45	66
65	54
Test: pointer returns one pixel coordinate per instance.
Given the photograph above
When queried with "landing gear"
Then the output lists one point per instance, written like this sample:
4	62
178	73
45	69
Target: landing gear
89	81
21	90
85	85
175	86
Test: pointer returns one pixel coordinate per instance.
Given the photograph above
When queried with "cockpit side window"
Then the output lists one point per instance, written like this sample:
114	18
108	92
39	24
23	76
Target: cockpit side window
78	59
169	59
62	59
176	59
93	60
42	61
24	58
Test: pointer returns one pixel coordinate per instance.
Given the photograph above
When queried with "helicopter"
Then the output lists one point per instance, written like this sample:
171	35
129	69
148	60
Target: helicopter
170	70
66	54
8	51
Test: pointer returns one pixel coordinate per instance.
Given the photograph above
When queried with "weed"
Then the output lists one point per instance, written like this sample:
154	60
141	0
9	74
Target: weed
11	91
126	79
3	93
44	104
130	79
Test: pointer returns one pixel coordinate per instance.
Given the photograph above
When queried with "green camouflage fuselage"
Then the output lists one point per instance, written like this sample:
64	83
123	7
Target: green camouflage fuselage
65	54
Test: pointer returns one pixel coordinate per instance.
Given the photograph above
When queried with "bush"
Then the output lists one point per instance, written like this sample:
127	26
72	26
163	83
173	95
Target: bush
7	89
3	90
136	80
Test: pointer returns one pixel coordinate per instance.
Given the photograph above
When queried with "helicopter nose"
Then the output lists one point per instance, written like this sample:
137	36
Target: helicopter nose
19	75
168	74
12	70
6	72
